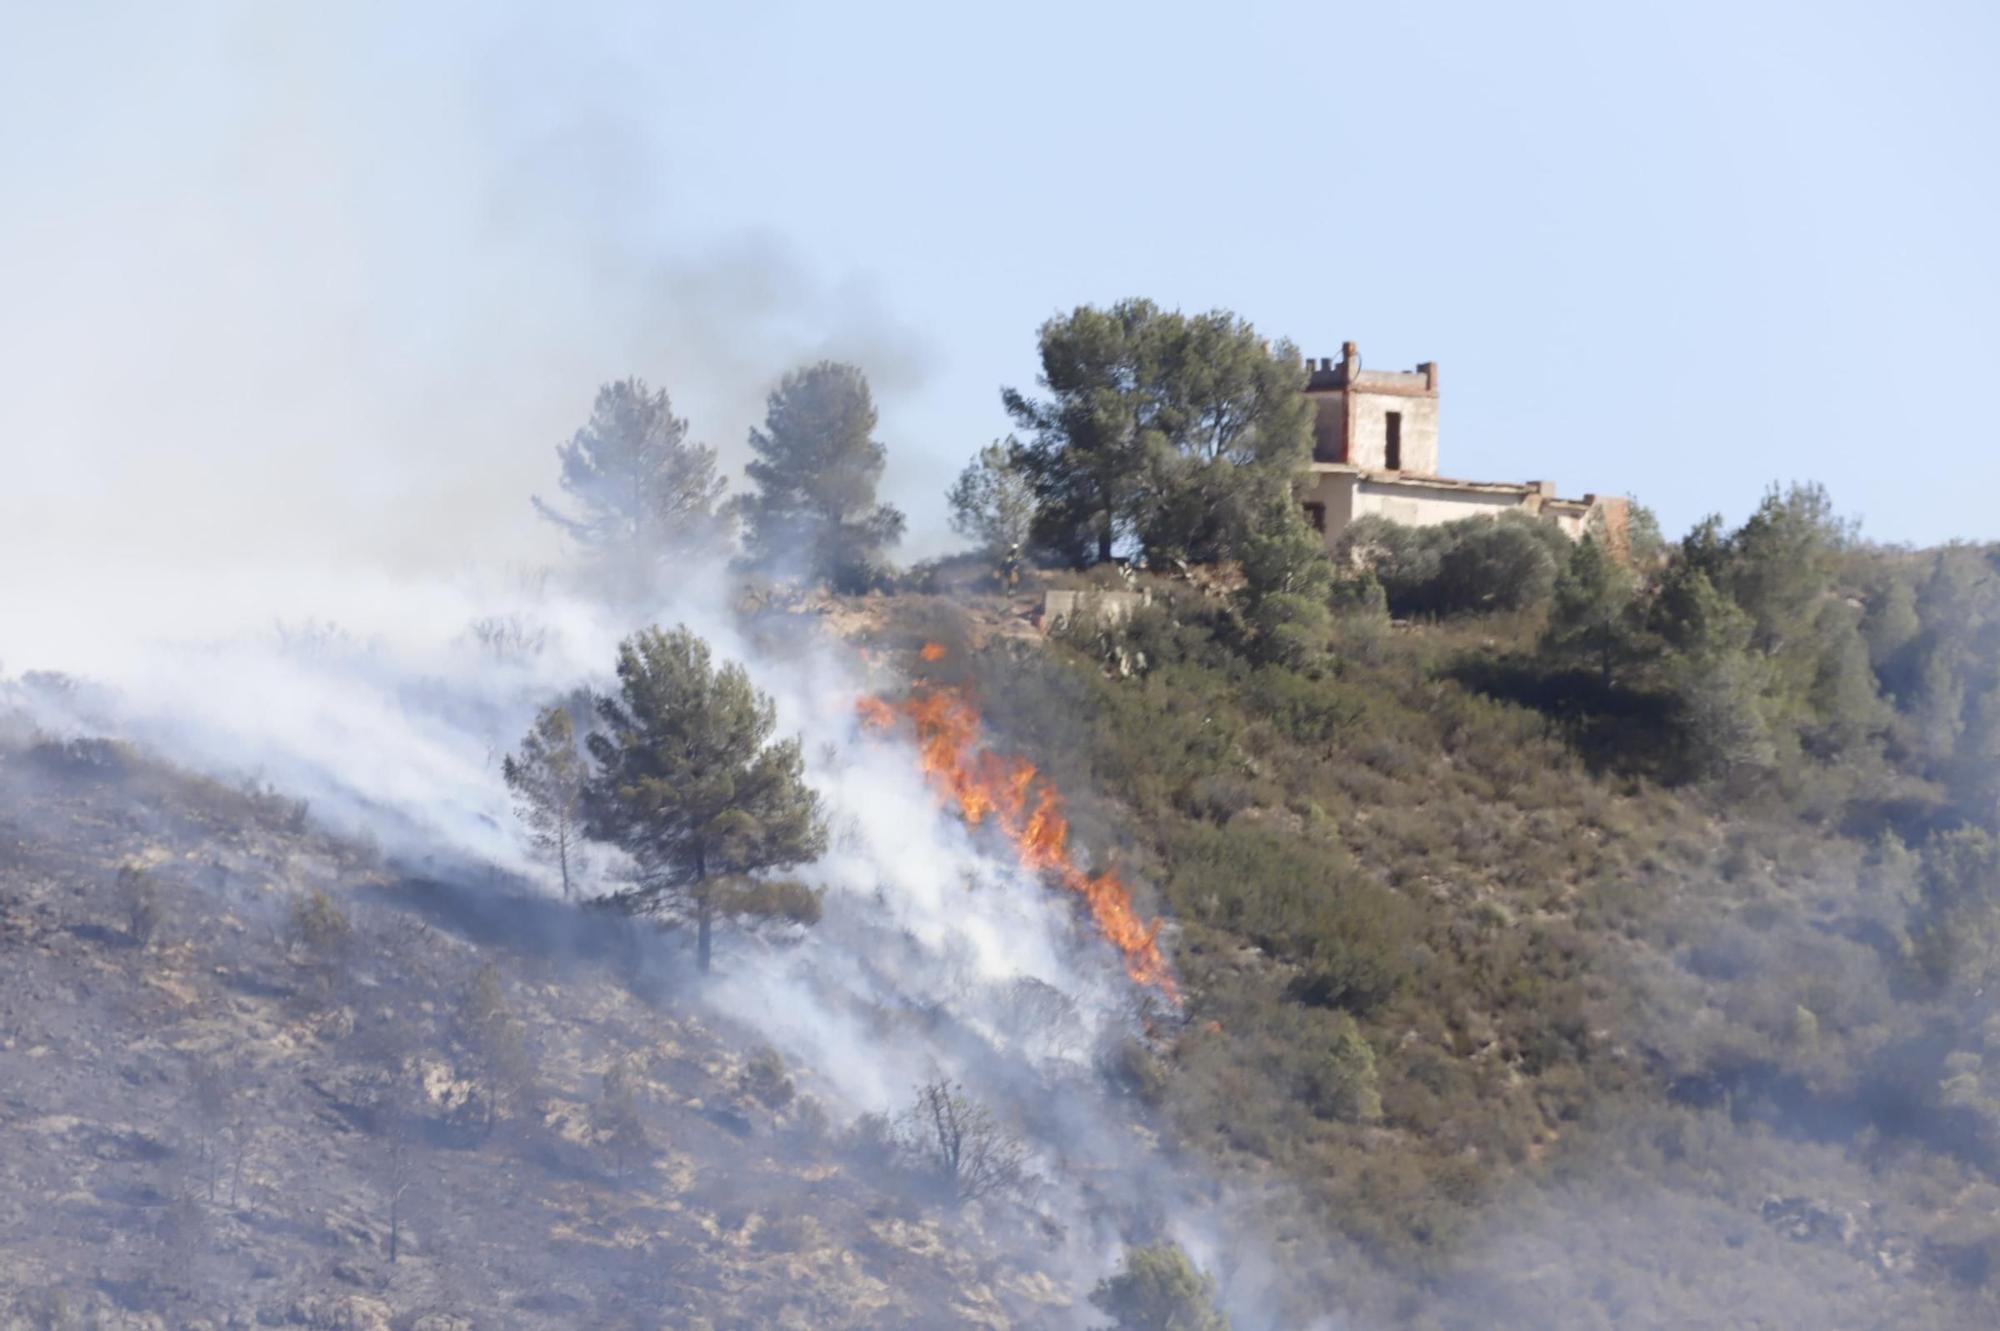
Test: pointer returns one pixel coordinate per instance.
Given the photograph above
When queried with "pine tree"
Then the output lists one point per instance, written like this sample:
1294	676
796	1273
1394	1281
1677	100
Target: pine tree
1719	684
548	778
1179	430
644	496
690	783
816	470
992	502
1591	612
1344	1085
1288	584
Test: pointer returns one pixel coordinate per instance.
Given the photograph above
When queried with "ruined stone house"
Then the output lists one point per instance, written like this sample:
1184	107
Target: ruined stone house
1375	451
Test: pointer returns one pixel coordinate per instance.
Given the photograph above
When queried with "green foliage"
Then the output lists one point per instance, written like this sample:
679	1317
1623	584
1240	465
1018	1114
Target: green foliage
1159	1289
1956	924
1720	694
548	777
816	470
1289	629
1946	677
1740	655
1890	625
1302	903
1433	948
1474	565
1287	583
644	497
766	898
690	783
1180	431
1593	611
1781	562
992	502
1342	1083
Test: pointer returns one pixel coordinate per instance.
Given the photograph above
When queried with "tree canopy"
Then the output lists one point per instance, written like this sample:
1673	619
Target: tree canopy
992	501
1159	1289
548	777
691	784
642	495
816	470
1176	431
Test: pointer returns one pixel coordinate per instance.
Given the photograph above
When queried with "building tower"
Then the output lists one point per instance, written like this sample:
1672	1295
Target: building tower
1377	420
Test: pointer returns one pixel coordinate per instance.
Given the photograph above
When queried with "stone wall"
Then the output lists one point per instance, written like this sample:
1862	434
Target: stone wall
1060	606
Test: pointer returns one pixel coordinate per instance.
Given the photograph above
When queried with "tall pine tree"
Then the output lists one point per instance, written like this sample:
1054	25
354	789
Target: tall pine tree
643	497
816	470
1180	431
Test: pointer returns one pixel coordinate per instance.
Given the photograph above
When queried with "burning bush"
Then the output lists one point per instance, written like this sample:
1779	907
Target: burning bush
1028	810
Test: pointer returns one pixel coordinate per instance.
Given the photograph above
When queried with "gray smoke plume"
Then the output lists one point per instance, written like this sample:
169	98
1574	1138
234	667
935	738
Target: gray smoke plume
335	296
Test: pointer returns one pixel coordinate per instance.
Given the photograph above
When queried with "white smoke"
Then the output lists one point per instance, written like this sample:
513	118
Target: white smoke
379	702
298	341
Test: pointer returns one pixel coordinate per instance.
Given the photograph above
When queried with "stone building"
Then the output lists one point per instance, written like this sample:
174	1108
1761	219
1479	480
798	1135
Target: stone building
1375	451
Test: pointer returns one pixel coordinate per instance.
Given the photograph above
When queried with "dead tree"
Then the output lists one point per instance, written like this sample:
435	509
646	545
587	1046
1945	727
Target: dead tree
398	1120
959	1143
223	1117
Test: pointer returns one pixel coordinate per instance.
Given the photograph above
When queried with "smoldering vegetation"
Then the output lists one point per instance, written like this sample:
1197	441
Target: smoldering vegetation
936	1036
299	1089
1607	946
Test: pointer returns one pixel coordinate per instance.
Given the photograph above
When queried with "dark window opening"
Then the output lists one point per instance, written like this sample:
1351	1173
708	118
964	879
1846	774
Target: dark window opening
1393	455
1316	515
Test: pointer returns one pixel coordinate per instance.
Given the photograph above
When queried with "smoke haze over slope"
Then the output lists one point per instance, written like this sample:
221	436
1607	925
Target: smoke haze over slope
286	292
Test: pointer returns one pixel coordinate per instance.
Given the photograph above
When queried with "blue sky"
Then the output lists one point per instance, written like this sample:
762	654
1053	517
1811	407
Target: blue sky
336	283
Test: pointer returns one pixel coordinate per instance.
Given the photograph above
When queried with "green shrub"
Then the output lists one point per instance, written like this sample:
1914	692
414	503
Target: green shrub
1474	565
1158	1289
1303	903
1340	1081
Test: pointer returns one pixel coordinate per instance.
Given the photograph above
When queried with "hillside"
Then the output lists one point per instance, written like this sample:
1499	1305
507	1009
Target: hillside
1636	1052
211	1117
1501	991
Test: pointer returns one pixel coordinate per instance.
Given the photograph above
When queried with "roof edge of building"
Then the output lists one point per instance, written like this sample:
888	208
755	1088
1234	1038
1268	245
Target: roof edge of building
1522	488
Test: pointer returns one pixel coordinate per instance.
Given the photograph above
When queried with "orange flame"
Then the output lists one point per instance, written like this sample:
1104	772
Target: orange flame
1026	808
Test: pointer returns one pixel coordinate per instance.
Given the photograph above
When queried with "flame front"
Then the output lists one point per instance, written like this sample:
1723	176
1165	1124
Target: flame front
985	786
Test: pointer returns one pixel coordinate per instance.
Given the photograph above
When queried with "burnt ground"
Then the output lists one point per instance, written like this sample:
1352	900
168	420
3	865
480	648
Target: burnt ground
209	1118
